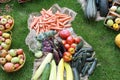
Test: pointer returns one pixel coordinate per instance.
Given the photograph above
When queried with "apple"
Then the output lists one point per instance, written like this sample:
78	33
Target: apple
1	47
7	26
19	51
3	21
15	60
3	53
8	41
17	65
9	67
2	27
6	35
2	60
3	39
21	56
10	21
0	33
12	52
4	45
8	57
21	61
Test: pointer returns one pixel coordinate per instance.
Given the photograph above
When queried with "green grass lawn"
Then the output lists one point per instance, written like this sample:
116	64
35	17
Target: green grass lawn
95	33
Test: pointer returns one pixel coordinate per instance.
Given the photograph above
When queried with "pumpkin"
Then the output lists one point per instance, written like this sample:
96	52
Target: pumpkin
117	40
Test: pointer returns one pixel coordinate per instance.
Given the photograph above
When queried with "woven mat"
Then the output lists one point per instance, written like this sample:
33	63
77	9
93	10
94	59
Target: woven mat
31	41
37	62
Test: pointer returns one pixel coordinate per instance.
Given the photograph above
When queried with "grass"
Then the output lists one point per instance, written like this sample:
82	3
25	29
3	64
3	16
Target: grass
95	33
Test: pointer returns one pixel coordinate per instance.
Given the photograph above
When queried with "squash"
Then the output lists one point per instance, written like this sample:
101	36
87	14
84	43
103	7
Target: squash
104	8
117	40
91	10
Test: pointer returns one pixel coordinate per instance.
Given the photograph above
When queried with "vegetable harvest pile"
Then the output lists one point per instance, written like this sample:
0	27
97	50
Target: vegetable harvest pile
66	54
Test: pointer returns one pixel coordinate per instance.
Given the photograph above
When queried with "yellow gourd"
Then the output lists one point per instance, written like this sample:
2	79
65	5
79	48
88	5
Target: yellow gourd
117	40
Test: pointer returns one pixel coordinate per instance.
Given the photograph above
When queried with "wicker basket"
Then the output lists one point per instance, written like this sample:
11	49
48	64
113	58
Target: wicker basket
6	30
19	66
4	1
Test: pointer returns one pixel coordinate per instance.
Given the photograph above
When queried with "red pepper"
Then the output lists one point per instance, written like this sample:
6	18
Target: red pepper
67	56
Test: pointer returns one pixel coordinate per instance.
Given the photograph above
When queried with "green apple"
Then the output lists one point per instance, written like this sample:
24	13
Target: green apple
12	52
8	41
6	35
3	21
21	61
4	45
2	60
15	60
2	27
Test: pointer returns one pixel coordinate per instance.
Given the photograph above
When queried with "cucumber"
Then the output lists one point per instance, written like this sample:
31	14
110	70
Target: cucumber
92	68
75	73
46	73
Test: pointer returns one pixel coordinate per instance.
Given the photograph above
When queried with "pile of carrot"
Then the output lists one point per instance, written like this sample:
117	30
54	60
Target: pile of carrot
49	21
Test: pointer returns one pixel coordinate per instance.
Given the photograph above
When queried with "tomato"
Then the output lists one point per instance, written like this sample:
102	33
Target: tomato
64	34
67	46
70	40
71	50
77	40
63	42
73	45
67	56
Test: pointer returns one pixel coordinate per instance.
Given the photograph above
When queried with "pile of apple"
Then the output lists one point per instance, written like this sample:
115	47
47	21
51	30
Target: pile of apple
6	22
70	42
5	40
12	59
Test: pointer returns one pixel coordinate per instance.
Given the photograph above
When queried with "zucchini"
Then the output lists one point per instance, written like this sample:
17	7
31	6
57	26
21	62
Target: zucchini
104	8
85	69
53	71
69	73
60	71
91	10
75	73
90	59
46	73
92	68
40	69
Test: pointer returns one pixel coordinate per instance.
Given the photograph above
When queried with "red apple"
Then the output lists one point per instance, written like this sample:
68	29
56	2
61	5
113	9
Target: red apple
3	53
21	56
1	47
9	67
7	26
19	51
17	65
10	21
0	33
